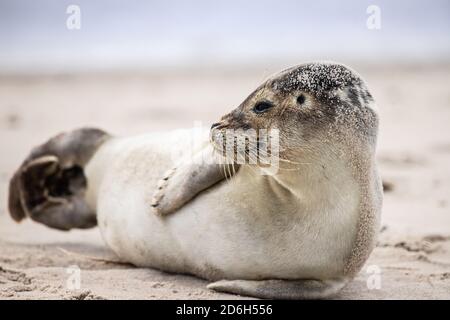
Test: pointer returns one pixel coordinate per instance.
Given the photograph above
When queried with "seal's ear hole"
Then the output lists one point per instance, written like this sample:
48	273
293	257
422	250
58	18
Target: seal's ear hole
301	99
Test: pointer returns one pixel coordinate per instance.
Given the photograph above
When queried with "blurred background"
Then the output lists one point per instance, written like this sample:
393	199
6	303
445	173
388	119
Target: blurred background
134	66
141	34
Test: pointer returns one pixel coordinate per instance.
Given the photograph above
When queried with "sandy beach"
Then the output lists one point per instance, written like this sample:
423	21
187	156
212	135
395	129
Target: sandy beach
411	260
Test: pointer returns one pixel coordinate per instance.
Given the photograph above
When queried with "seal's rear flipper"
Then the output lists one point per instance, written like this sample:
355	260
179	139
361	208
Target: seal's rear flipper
281	289
49	186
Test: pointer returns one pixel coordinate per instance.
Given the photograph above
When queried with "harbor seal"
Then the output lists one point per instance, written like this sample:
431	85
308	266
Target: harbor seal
303	231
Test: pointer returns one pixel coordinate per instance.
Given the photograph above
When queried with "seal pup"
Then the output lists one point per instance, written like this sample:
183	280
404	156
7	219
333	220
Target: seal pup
302	232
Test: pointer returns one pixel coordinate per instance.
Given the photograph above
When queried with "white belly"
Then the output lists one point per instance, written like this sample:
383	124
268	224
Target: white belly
246	228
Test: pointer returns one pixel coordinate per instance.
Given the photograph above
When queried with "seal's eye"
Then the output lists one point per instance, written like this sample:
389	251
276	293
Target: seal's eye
261	107
301	99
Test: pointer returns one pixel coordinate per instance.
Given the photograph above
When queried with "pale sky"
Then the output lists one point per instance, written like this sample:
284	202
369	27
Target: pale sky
121	34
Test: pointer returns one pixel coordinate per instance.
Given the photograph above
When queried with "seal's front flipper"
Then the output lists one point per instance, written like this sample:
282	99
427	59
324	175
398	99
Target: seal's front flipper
182	183
281	289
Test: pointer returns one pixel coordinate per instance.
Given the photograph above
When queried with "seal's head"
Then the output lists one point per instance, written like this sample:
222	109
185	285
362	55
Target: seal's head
313	106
